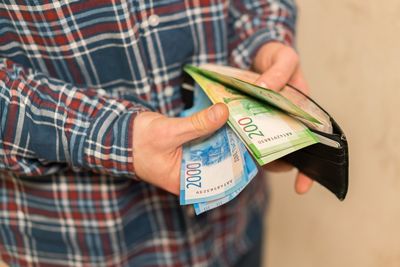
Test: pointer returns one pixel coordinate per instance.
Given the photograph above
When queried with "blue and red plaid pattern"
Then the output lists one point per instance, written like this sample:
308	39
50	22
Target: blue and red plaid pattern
73	76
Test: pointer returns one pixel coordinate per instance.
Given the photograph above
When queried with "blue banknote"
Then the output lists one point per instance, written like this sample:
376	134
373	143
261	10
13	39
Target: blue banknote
214	168
250	172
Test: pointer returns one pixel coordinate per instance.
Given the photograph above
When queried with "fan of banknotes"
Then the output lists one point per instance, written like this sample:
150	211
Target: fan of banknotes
263	125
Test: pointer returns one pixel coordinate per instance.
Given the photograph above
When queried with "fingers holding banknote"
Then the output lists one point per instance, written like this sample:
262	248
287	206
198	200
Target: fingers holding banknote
158	140
279	64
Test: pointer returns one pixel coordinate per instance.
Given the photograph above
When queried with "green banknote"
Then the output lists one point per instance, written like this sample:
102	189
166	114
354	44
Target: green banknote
243	81
268	132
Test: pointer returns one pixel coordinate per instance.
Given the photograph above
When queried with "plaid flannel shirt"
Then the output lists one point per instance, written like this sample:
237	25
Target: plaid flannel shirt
73	76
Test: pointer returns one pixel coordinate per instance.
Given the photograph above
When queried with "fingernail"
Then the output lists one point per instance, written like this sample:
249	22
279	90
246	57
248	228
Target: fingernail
214	112
262	84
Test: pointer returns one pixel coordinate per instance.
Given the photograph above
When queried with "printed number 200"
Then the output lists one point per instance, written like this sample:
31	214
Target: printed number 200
193	177
249	127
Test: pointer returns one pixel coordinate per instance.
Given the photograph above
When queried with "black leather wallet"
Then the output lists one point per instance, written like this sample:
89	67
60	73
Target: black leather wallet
328	165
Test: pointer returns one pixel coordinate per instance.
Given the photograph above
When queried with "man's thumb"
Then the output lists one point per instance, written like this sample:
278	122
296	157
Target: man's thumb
201	123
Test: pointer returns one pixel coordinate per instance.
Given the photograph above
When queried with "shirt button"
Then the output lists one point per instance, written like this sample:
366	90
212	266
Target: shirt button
20	214
101	91
169	91
154	20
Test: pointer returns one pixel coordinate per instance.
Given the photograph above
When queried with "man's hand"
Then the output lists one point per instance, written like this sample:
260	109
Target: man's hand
158	140
279	65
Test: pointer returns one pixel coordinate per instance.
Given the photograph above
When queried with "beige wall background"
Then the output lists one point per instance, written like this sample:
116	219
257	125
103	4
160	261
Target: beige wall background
350	51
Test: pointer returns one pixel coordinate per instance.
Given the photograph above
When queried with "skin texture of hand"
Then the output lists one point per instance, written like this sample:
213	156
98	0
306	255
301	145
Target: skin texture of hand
158	140
279	64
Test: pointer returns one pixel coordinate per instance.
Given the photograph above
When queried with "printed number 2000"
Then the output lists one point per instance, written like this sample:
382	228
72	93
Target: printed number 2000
193	177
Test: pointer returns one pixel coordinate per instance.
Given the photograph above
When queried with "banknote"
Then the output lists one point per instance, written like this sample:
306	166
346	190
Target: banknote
249	168
264	128
235	78
268	132
288	98
271	156
251	171
212	167
202	207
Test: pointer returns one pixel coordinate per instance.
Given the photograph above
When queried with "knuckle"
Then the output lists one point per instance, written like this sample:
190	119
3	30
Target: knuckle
279	76
296	58
198	123
292	54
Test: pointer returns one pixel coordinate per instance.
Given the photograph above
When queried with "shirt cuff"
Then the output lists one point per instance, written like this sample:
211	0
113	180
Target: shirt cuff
107	146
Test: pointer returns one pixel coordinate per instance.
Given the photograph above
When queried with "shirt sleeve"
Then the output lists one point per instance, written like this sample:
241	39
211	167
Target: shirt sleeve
253	23
47	125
